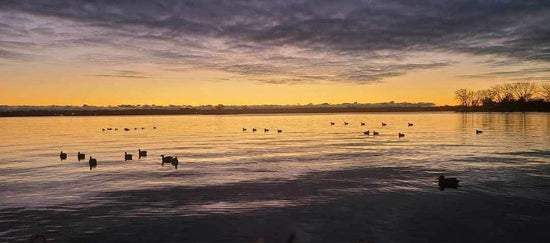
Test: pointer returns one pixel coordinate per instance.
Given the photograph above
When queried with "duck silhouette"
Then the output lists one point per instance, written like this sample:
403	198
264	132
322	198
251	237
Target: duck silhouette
266	130
384	124
279	130
478	132
175	162
92	162
244	129
345	123
447	182
410	124
332	123
400	135
142	153
254	130
375	133
127	156
80	156
362	123
367	132
62	156
166	159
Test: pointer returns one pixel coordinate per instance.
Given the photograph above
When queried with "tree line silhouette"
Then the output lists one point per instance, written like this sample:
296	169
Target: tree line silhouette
517	96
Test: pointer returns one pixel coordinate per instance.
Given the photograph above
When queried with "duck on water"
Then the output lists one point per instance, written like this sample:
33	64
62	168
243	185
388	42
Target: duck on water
447	182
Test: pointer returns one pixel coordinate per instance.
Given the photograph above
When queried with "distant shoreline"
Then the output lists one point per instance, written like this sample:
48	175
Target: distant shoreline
298	110
130	112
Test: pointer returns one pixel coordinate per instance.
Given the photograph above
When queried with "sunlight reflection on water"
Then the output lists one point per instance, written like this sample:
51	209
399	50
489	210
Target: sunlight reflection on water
214	151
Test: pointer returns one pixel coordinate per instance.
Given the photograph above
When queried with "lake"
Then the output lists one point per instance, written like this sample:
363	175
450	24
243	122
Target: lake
324	183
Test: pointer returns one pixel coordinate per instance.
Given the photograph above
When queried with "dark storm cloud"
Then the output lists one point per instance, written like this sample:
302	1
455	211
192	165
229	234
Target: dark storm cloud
527	73
335	41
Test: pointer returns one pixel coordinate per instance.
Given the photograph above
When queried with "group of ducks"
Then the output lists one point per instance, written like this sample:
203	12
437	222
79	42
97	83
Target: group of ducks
265	130
399	134
173	160
125	129
142	153
375	133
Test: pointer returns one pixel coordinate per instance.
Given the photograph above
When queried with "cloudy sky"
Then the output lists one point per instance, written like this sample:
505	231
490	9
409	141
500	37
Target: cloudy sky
266	52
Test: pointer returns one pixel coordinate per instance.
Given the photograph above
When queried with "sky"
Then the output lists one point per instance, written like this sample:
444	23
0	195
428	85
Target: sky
70	52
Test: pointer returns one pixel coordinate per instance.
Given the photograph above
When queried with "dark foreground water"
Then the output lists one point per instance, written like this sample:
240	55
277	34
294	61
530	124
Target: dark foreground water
325	183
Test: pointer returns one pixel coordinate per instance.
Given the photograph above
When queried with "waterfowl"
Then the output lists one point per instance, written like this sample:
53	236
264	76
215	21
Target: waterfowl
244	129
109	129
103	129
166	159
116	129
80	156
266	130
127	156
175	162
63	156
479	131
126	129
367	132
410	124
143	128
400	135
279	131
154	127
142	153
345	123
253	129
332	123
362	123
92	162
447	182
384	124
375	133
135	128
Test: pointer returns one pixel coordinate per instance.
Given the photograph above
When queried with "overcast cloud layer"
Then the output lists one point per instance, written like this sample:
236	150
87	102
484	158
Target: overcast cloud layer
279	41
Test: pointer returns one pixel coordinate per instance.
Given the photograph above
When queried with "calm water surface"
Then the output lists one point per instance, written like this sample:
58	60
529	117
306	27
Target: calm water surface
325	183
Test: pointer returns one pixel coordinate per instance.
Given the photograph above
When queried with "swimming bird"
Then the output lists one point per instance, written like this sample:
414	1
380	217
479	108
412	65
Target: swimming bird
127	156
109	129
375	133
345	123
332	123
166	159
116	129
279	130
367	132
103	129
143	128
362	123
400	135
154	127
447	182
135	128
92	162
384	124
266	130
410	124
142	153
126	129
175	162
253	129
80	156
479	131
244	129
63	156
